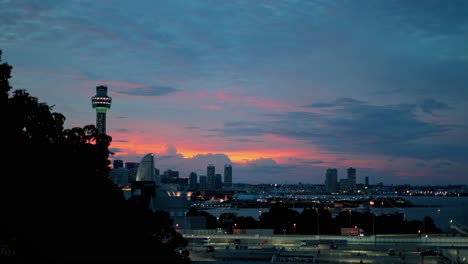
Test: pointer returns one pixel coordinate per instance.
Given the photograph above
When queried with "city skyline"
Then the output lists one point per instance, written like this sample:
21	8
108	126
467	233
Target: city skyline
282	90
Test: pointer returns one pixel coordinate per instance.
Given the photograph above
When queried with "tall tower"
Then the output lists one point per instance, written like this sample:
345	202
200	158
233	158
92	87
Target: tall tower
101	102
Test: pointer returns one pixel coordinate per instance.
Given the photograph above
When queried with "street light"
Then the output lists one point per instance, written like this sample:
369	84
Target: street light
318	221
349	218
260	218
294	228
373	226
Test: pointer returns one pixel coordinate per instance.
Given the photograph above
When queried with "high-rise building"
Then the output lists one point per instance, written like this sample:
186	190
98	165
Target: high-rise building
170	176
367	180
145	170
351	178
218	181
117	164
210	174
101	102
227	176
202	185
193	180
131	165
132	168
331	180
119	176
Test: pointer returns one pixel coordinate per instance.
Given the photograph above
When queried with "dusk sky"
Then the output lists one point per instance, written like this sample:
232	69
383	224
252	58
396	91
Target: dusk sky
282	90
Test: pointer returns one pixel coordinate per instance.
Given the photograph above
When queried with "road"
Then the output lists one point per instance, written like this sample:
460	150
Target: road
345	253
343	256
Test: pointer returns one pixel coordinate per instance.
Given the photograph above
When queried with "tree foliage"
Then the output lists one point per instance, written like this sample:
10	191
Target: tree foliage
58	202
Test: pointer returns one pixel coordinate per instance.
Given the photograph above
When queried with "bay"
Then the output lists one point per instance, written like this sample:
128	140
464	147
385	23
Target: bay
442	209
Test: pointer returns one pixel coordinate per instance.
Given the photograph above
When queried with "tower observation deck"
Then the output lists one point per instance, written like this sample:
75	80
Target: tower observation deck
101	102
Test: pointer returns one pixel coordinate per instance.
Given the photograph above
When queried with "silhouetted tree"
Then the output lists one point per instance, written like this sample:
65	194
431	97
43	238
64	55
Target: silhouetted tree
246	222
58	203
211	221
279	218
226	220
307	223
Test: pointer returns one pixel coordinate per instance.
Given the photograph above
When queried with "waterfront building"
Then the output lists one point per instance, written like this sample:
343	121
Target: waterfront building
331	180
145	170
157	195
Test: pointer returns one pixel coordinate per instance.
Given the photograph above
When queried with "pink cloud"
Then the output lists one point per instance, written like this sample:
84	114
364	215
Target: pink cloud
238	99
211	107
191	95
268	104
224	97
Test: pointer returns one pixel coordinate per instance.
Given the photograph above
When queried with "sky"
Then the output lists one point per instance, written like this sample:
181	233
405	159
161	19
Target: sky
282	90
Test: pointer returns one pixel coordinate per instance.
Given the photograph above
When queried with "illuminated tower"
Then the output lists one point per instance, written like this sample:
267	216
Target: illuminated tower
101	102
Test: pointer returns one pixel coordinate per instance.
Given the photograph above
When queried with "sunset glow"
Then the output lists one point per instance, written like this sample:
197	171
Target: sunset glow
282	90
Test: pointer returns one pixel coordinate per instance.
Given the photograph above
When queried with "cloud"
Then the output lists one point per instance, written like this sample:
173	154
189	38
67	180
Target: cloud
116	150
354	126
192	127
257	64
429	105
339	102
170	150
211	107
151	91
312	162
169	154
247	140
441	165
120	140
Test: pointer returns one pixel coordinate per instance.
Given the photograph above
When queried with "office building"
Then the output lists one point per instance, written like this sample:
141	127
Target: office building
331	180
210	173
227	176
351	178
132	168
193	181
202	183
117	164
218	182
